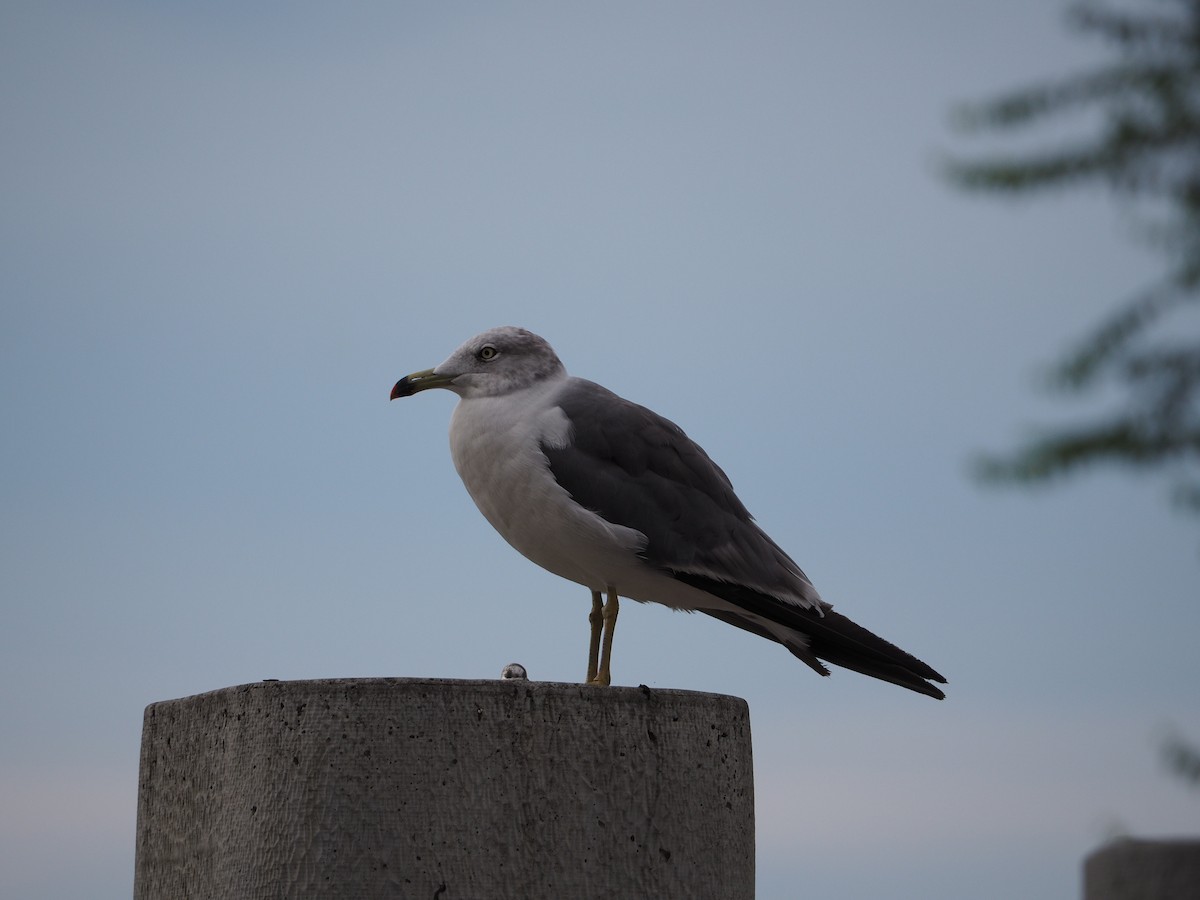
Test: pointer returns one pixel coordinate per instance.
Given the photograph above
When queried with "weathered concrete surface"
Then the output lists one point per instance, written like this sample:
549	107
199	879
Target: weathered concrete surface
460	790
1143	870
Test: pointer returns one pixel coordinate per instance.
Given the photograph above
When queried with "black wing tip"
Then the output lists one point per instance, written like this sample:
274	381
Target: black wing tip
843	642
928	690
830	636
894	673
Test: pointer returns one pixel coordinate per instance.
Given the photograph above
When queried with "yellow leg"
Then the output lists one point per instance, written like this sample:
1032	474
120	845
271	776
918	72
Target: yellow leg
609	619
596	620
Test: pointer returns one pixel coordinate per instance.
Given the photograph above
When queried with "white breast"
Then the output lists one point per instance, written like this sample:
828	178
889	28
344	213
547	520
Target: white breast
496	446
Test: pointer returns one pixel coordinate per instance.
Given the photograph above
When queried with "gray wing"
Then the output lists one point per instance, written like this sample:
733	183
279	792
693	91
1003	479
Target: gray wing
637	469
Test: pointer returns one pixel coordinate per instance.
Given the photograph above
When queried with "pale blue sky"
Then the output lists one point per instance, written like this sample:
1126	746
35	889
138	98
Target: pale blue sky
227	231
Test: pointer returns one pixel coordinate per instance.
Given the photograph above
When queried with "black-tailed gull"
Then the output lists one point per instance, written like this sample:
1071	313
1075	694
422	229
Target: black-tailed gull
616	498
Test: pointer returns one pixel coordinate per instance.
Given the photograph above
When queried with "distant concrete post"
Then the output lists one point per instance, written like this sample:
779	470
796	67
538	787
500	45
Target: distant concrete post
456	790
1143	870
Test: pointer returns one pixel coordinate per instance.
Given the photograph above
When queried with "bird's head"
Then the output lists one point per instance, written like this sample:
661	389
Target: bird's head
496	362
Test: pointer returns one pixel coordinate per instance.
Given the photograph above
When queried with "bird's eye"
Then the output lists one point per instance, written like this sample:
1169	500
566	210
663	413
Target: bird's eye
487	351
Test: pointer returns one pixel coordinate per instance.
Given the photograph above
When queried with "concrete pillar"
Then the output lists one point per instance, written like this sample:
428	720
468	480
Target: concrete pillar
456	790
1143	870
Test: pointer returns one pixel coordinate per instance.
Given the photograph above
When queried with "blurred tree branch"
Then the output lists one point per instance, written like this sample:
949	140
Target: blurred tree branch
1182	758
1145	148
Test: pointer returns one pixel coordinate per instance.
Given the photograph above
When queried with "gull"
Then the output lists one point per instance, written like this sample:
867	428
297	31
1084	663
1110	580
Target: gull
614	497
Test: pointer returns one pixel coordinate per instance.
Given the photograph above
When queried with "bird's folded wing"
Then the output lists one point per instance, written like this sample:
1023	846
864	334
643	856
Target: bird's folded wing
635	468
